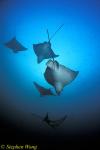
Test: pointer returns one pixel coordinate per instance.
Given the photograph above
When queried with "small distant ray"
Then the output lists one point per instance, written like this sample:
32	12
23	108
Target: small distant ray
15	45
52	123
43	51
43	91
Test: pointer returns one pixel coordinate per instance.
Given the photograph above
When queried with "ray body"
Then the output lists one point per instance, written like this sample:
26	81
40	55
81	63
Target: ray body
43	91
58	75
15	45
51	123
54	123
43	51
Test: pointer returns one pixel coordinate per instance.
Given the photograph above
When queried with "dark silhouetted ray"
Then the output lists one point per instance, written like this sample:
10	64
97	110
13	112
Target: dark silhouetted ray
15	45
52	123
43	51
43	91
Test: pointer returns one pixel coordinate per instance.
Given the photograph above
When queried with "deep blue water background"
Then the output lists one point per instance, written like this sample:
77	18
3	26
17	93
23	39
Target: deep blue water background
77	43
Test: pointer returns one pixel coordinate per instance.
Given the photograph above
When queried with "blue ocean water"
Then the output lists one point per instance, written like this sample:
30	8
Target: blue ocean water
77	43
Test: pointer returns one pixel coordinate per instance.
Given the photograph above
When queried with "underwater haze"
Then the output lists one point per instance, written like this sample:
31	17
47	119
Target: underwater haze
78	47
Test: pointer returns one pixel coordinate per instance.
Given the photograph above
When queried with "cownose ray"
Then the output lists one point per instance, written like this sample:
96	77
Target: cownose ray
43	91
58	75
44	50
52	123
15	45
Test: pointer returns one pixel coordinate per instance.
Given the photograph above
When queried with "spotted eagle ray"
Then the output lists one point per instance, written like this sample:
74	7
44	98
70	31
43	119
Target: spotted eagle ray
44	50
15	45
58	75
43	91
52	123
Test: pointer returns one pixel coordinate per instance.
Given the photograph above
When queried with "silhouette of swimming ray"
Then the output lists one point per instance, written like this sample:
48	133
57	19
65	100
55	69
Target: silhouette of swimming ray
43	91
43	51
52	123
58	75
15	45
